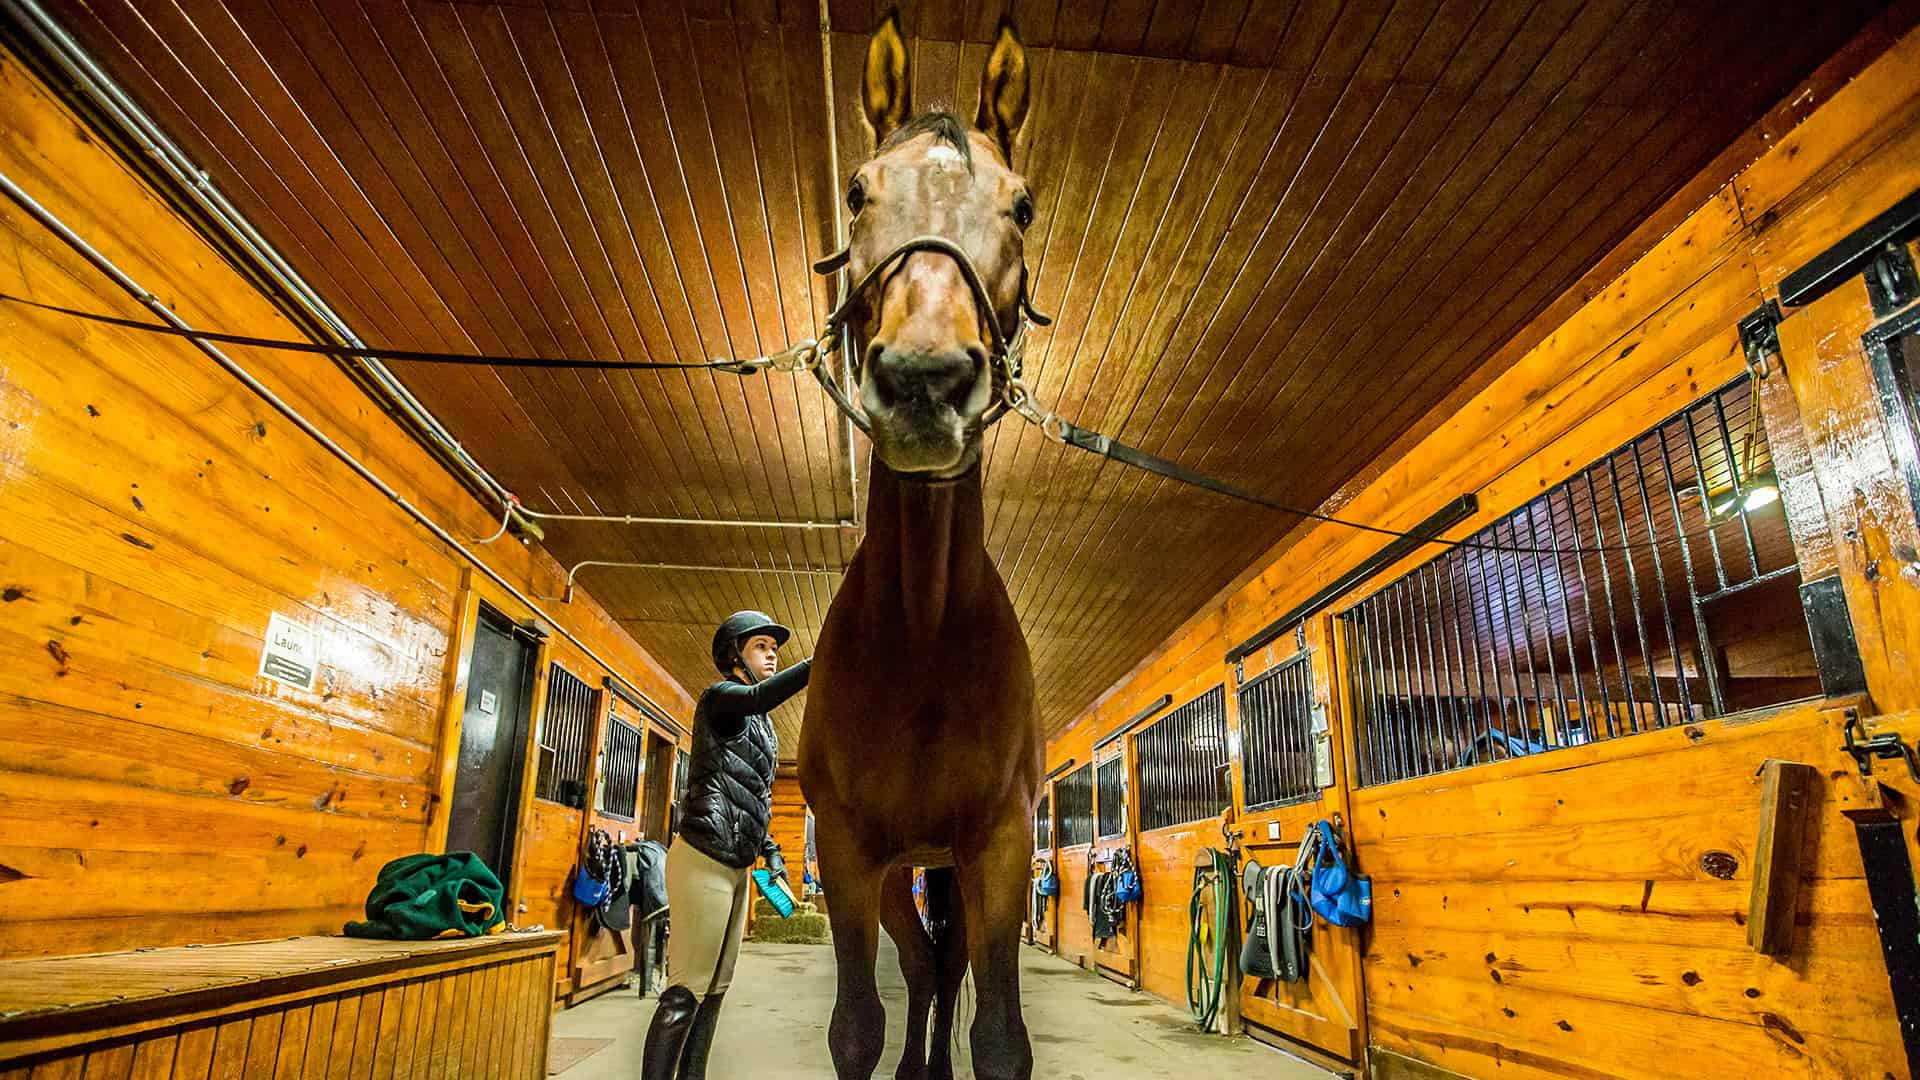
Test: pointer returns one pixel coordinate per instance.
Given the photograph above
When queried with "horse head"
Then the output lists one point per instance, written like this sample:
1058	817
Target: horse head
937	251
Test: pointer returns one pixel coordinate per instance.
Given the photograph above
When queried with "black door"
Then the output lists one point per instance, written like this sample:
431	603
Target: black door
486	789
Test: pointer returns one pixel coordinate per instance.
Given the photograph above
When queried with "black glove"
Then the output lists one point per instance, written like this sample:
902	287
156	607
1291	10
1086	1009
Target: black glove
776	865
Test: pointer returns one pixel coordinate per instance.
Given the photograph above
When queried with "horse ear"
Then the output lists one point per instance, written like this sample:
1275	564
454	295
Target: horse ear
886	87
1003	89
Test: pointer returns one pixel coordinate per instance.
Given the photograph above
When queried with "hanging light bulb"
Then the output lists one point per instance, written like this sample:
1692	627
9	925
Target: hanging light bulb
1764	492
1758	489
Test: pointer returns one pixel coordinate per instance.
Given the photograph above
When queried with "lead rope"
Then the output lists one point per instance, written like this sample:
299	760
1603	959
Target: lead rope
1013	394
1207	980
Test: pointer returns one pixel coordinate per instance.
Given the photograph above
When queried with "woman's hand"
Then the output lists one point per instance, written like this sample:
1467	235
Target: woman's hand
776	865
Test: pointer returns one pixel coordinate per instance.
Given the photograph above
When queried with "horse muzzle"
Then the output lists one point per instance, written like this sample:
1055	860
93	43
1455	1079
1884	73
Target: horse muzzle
926	407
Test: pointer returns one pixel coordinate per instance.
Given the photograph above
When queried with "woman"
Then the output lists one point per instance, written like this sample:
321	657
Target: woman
723	829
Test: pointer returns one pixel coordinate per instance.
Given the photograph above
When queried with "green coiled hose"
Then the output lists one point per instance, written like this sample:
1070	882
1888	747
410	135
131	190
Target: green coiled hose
1204	982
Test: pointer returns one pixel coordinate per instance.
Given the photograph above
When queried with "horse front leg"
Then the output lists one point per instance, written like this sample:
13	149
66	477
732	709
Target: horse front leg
993	881
857	1033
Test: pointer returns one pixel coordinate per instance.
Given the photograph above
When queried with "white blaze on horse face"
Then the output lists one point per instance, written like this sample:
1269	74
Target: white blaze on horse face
945	155
923	316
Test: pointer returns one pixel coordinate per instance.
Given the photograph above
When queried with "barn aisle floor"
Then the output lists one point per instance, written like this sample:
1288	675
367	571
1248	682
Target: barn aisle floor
1083	1027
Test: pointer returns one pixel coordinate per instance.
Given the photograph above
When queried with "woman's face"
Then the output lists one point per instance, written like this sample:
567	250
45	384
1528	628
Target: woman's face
760	656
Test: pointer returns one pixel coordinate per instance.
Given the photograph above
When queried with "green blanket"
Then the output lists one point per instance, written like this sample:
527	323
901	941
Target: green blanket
422	897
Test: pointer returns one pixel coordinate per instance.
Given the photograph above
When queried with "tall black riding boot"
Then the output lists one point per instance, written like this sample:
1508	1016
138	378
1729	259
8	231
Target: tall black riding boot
672	1020
693	1062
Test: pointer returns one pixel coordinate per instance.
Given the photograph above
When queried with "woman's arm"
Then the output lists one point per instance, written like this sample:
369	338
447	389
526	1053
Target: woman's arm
730	703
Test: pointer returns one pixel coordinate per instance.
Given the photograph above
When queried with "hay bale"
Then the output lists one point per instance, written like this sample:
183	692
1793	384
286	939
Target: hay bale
804	928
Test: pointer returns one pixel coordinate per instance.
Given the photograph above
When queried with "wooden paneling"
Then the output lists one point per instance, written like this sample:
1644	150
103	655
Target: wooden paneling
1275	237
789	825
1554	916
163	514
282	1009
1671	962
550	848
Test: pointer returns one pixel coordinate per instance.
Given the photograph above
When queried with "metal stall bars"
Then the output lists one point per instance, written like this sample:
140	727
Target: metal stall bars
566	732
1598	609
619	791
1110	780
1180	758
1075	794
1276	736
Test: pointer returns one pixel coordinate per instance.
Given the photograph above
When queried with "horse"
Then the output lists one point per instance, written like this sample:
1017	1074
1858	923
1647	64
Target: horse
920	745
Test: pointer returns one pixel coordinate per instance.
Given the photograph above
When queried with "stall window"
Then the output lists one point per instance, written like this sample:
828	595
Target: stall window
619	791
1181	763
566	732
1655	587
1893	348
1075	793
682	766
1277	737
1111	781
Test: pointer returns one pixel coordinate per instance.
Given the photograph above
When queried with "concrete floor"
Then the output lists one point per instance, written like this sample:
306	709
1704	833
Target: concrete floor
1083	1027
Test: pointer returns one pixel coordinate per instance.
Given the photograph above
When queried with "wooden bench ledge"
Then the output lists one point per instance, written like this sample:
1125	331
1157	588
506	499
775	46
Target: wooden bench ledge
55	1002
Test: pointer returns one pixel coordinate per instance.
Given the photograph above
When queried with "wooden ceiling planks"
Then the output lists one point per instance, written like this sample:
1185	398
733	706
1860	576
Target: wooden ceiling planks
1274	235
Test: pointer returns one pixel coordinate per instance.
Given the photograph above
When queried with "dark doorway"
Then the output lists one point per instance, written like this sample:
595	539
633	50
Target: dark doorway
486	789
659	787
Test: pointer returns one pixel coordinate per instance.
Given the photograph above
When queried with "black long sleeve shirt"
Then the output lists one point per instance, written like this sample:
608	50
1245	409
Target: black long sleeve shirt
730	787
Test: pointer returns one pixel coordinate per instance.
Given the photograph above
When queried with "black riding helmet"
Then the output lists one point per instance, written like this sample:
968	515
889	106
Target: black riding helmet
740	626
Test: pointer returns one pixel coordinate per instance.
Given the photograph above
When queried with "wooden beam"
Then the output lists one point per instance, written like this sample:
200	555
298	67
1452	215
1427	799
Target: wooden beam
1787	789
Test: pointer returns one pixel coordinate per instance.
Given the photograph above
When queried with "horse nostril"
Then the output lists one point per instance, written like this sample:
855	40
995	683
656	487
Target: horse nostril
979	357
874	353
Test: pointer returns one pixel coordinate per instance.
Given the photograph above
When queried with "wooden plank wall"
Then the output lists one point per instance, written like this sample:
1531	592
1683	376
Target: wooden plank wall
1553	917
156	789
1188	669
789	825
1541	917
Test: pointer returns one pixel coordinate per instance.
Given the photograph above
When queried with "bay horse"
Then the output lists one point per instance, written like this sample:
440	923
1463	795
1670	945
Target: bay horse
920	745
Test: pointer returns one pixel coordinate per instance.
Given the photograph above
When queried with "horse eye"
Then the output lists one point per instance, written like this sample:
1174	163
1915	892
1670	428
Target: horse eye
856	196
1022	211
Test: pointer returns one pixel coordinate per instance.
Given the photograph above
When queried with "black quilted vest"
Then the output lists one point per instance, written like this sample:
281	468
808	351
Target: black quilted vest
729	789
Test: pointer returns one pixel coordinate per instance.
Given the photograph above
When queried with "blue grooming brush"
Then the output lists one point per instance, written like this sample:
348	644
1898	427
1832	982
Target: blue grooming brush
775	890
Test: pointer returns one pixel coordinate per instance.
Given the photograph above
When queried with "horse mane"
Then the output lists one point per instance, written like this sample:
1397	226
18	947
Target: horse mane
943	126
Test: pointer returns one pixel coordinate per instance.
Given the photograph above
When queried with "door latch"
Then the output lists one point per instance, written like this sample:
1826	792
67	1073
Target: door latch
1886	744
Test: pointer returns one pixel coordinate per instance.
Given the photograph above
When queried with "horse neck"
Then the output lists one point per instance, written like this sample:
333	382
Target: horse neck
926	546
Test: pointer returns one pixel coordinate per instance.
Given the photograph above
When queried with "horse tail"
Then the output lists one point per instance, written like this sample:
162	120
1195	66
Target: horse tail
943	911
942	897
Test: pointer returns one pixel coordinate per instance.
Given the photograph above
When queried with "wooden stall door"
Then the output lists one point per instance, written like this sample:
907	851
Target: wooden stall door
486	785
658	798
1117	957
1043	919
1850	362
1324	1012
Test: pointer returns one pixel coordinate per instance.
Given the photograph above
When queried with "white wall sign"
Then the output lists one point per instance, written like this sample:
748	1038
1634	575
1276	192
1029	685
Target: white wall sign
488	703
292	654
1323	759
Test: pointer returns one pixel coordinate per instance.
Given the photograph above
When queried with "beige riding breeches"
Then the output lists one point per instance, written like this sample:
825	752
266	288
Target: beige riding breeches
707	903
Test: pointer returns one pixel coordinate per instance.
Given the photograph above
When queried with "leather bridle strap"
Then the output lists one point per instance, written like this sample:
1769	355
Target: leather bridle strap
1007	349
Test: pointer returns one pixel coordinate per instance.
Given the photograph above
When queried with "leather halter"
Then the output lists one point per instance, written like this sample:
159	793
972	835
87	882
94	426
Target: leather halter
1006	349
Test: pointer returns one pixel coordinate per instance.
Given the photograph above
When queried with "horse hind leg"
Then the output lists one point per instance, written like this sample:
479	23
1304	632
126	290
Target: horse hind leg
918	963
950	956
